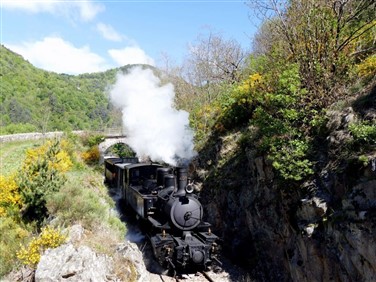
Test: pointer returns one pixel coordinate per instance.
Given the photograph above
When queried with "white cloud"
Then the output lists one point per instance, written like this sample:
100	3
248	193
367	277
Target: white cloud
88	10
130	55
108	32
85	10
55	54
31	6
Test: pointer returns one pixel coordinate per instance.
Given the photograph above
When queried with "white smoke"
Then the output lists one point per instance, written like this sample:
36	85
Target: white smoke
154	128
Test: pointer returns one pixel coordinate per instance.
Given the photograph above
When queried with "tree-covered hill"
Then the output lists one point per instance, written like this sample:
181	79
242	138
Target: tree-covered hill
36	100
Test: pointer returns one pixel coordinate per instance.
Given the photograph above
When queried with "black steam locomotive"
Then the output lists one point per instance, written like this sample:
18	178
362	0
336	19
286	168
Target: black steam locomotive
163	198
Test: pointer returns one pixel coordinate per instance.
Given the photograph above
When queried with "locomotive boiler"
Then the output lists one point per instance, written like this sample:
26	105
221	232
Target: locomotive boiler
164	199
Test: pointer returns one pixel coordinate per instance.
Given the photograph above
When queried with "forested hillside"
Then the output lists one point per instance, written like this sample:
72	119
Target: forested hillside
36	100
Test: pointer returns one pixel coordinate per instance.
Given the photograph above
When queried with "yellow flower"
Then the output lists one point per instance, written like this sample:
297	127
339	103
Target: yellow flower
49	238
9	194
59	159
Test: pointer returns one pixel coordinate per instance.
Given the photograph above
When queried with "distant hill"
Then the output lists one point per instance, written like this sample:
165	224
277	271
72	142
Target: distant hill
36	100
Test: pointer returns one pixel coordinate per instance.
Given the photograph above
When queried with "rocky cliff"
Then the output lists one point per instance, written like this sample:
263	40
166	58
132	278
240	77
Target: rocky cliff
321	230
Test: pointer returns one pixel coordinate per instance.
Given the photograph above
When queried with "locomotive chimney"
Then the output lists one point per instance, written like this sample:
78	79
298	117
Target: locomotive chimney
182	179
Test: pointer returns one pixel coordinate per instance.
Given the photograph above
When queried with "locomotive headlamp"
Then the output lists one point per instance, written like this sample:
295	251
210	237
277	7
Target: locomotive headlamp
189	188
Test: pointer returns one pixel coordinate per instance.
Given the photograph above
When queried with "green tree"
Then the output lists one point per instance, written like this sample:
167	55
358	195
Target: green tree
324	37
41	175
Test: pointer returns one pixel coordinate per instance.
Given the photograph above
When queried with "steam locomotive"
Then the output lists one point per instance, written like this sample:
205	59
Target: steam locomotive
164	199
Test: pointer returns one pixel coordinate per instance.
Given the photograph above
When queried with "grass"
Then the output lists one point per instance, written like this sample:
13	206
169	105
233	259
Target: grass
82	199
12	154
12	232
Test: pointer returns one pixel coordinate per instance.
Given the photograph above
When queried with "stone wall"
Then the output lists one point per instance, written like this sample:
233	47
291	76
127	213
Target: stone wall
33	136
49	135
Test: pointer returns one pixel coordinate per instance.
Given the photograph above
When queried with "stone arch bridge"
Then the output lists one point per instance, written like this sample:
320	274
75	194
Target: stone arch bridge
110	141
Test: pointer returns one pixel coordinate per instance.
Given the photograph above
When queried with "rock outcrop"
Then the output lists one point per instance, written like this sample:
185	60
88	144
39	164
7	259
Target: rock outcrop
70	263
323	230
75	261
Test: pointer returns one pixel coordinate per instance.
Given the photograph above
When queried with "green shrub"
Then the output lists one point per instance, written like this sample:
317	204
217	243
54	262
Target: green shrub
10	199
367	68
117	225
363	132
40	176
290	159
91	139
91	156
364	160
237	106
74	204
14	128
84	199
47	239
12	235
122	150
80	197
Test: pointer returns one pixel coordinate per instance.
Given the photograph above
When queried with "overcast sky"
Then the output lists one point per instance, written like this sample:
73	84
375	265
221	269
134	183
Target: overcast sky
89	36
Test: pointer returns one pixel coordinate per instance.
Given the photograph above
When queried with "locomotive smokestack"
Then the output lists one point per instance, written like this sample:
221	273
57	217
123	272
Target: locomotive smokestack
182	179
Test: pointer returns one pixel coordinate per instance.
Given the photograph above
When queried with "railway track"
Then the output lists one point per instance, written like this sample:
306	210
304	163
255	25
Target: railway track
207	276
202	276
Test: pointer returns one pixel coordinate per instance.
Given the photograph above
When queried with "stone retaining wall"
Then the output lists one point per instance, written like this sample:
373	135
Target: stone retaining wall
34	136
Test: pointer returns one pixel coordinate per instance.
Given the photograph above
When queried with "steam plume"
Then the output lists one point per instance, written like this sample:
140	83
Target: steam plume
154	128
